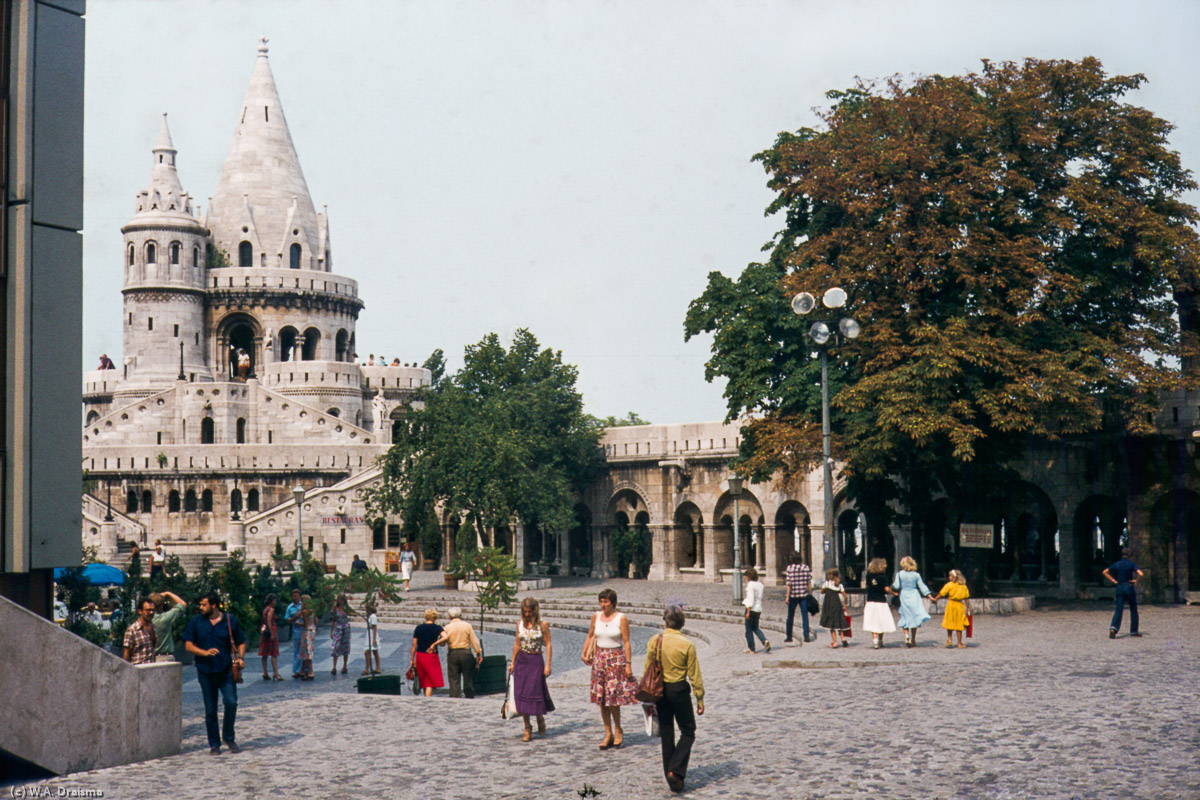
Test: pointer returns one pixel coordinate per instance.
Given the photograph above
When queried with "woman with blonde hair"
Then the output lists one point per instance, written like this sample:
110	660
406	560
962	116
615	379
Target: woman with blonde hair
958	606
912	588
877	617
529	669
308	640
427	665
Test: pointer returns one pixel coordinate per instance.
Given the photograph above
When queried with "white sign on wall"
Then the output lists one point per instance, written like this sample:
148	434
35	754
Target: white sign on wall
970	535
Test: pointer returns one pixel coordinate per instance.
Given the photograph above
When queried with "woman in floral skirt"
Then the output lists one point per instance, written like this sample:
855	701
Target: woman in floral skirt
339	632
308	639
607	650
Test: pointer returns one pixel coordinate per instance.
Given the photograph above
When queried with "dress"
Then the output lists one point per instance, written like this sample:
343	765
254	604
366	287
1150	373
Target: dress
611	684
407	559
530	693
269	644
833	614
955	618
339	625
877	617
429	666
308	639
911	588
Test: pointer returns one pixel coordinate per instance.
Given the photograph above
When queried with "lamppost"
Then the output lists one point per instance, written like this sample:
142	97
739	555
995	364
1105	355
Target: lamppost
822	335
182	376
108	517
238	507
298	494
735	489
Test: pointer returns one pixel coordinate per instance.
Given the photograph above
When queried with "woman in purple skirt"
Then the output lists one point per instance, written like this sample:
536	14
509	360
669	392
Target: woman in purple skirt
530	669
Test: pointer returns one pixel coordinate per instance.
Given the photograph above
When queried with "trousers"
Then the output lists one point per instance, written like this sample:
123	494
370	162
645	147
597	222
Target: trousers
212	684
297	637
1125	593
675	707
793	602
460	672
752	629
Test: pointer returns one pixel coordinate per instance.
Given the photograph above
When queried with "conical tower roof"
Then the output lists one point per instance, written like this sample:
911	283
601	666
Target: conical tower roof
163	199
262	197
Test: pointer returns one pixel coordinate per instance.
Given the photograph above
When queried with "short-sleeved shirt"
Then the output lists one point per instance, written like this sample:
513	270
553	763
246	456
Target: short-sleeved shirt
141	642
876	581
799	579
426	634
408	557
1124	570
164	627
205	635
298	624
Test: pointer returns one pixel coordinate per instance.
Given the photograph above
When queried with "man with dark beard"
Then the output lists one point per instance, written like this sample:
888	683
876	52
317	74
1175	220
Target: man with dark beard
211	637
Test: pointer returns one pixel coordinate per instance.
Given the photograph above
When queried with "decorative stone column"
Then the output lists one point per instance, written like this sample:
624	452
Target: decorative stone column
518	532
710	553
770	560
662	541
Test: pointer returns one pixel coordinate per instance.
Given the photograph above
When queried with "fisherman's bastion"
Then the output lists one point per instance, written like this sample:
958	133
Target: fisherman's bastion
241	380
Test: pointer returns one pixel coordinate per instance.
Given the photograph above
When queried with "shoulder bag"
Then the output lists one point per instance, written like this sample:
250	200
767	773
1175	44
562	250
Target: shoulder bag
650	690
811	604
237	671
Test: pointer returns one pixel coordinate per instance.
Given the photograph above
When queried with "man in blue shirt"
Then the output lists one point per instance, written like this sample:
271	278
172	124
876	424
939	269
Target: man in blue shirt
1125	575
291	615
212	638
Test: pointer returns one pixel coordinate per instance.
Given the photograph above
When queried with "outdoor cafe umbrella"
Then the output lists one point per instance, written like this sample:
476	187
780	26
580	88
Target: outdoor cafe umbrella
97	575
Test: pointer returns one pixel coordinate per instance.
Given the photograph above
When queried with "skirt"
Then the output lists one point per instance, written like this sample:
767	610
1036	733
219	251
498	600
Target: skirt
610	684
833	616
405	570
341	640
955	618
429	671
268	646
308	641
877	618
529	685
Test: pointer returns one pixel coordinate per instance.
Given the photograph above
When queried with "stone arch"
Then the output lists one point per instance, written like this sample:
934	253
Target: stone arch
312	344
131	502
1174	539
397	418
287	343
173	501
689	537
189	500
792	522
252	500
341	346
234	331
750	520
1099	523
147	501
92	416
579	538
1026	548
151	252
207	431
206	501
235	501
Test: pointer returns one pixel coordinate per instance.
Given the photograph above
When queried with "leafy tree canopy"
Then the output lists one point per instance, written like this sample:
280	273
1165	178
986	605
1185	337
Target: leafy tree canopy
632	418
1012	241
504	439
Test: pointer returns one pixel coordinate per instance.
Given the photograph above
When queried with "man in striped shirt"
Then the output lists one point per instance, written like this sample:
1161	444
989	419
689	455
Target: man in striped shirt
799	584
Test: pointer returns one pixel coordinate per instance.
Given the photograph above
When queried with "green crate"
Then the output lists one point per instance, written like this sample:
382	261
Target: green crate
492	676
379	684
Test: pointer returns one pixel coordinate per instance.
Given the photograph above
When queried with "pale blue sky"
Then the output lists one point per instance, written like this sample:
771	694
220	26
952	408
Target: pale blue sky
576	168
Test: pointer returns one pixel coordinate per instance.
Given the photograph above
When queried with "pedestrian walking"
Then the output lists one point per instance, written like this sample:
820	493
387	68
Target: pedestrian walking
308	637
372	641
877	617
217	642
679	666
462	641
339	633
529	668
164	623
753	603
912	589
291	616
408	560
426	664
1124	574
798	577
833	607
606	648
958	606
268	643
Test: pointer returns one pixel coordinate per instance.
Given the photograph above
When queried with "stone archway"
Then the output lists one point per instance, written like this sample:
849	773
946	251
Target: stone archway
792	523
1174	541
688	552
579	540
750	517
1099	524
238	331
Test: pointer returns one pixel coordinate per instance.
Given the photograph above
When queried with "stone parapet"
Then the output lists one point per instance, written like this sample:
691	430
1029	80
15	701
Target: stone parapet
102	460
667	442
287	280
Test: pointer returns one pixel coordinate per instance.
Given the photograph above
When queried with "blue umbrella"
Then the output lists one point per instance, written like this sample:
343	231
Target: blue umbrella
98	575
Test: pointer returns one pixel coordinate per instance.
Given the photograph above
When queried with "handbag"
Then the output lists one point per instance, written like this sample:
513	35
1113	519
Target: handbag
237	671
651	714
970	625
847	632
509	709
650	690
812	605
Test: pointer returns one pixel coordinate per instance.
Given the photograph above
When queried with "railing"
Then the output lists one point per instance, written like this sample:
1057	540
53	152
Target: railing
305	280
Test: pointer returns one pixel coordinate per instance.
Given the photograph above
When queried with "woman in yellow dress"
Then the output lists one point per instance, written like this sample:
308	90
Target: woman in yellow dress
958	606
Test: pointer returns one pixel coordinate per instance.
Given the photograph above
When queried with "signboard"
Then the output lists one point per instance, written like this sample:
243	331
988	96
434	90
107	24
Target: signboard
975	536
342	521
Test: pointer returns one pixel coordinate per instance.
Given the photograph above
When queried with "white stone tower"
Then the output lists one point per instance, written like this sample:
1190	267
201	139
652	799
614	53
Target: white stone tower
164	282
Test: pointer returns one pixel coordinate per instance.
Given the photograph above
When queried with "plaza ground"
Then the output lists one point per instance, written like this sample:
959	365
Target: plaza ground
1041	705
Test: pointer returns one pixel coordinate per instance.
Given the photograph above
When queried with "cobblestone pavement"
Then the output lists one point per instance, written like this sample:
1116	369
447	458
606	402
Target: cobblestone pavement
1041	705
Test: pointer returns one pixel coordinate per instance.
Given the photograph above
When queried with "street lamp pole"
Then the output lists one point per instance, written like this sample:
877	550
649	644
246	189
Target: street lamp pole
735	489
821	333
298	494
108	517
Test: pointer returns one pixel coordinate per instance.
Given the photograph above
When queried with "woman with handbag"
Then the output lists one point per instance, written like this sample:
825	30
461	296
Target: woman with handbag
679	664
529	669
426	665
606	648
912	589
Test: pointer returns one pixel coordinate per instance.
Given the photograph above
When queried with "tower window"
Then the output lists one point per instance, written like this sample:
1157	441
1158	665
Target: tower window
196	257
189	500
130	317
131	255
197	337
295	256
147	501
245	255
206	501
150	323
151	253
267	113
241	430
176	331
175	253
173	502
252	500
206	430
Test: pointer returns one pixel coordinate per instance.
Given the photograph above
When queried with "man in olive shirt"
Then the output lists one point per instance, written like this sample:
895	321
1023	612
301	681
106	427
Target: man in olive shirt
460	667
164	623
679	665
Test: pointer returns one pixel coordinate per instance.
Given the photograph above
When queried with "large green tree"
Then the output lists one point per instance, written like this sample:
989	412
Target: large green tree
1013	241
503	440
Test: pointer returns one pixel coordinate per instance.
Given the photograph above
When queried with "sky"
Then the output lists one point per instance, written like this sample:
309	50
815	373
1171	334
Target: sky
574	167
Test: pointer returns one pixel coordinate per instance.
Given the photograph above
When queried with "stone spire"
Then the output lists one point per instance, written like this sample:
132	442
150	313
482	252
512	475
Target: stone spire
262	182
164	195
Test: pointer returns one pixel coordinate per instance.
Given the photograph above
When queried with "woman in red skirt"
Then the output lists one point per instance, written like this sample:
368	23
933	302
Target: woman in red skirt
428	665
607	650
268	645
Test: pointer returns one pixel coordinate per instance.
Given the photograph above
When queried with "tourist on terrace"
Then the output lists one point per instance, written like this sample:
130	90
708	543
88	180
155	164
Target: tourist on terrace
912	589
606	648
529	669
268	646
426	663
339	632
164	623
460	667
679	664
1124	574
753	603
798	577
877	617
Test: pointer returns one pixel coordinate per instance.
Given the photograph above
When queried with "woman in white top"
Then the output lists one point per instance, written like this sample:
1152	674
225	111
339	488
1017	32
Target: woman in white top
407	560
606	648
752	600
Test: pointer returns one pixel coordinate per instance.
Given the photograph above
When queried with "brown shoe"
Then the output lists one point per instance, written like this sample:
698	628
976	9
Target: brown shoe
525	737
541	726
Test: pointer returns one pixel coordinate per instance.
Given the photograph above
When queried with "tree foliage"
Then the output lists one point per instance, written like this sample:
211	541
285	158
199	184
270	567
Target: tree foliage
1013	242
504	439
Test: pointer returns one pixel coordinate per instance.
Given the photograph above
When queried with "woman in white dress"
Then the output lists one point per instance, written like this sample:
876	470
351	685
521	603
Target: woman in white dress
877	616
